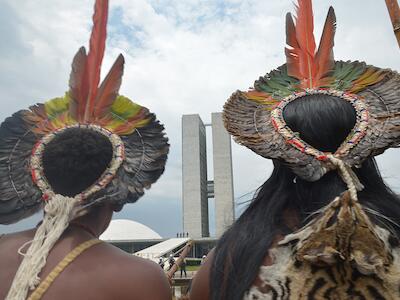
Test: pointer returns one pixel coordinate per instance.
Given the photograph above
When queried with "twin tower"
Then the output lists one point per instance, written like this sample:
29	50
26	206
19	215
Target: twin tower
197	186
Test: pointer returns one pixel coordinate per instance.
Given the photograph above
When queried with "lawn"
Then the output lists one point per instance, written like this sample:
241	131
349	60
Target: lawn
192	268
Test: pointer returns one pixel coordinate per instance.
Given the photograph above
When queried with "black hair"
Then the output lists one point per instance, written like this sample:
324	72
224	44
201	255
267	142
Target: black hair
323	121
75	159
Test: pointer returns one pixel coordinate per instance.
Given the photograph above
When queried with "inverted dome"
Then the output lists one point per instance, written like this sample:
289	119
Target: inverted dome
127	230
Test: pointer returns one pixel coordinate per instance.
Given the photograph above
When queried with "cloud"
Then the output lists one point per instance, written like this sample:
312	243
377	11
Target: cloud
181	57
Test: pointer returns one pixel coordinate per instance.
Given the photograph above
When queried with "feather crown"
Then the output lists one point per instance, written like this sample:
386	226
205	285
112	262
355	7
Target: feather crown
306	64
139	144
255	117
87	102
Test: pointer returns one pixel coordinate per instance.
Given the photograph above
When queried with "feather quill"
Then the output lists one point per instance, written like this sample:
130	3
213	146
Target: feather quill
95	56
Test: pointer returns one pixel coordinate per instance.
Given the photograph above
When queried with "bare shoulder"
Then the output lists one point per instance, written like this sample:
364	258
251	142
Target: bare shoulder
11	239
10	259
200	288
10	243
150	281
140	277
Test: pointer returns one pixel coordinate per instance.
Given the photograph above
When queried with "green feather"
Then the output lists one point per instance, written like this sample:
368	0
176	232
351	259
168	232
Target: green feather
57	106
123	108
277	83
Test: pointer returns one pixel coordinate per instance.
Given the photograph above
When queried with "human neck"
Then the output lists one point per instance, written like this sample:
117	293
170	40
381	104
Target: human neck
82	226
95	222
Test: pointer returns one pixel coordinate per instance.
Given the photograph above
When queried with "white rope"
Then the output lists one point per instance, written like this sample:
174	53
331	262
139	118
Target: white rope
58	213
348	176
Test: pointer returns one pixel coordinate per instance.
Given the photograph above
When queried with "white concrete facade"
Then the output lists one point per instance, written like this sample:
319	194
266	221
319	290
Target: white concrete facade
194	177
223	175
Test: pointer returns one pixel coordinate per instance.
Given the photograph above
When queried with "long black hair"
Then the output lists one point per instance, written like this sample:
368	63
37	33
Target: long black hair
324	122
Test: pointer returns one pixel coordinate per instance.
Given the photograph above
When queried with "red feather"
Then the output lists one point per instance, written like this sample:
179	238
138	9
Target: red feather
324	57
303	62
78	89
305	27
305	39
96	52
109	88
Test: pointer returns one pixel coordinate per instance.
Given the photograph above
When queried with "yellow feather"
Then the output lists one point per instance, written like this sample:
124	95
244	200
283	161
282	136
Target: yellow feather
369	77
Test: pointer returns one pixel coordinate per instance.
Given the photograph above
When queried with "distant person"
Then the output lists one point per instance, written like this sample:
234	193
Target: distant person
171	262
161	263
183	267
80	158
203	259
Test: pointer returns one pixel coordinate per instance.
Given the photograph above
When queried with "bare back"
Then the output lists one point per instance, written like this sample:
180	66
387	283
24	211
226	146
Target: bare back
101	272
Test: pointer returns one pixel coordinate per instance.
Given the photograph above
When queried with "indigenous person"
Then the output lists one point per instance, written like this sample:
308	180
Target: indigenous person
80	158
324	225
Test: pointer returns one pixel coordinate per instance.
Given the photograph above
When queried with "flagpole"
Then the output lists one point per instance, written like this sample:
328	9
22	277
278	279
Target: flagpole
394	12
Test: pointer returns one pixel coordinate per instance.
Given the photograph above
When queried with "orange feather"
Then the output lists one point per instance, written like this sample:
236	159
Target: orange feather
303	62
96	52
130	124
305	27
78	90
109	88
305	39
324	57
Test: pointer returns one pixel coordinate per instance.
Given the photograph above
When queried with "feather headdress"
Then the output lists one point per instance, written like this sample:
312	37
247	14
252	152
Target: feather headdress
312	67
255	117
92	104
138	141
86	102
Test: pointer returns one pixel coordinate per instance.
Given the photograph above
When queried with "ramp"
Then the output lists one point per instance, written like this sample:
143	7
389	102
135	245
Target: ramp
161	249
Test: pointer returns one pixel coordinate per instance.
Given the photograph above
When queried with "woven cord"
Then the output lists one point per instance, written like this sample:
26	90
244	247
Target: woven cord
70	257
58	213
348	176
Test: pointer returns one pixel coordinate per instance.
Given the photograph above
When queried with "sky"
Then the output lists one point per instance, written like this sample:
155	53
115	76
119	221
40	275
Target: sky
182	57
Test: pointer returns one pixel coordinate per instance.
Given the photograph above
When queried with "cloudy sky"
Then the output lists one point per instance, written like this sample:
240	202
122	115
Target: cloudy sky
182	57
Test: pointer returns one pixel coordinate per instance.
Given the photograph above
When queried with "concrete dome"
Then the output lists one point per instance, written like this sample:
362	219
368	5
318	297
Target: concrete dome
127	230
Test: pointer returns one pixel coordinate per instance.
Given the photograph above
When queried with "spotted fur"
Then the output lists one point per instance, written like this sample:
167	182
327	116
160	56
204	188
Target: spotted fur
340	255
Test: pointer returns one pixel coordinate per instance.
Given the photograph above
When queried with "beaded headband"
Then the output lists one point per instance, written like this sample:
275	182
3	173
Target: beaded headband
356	134
117	159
